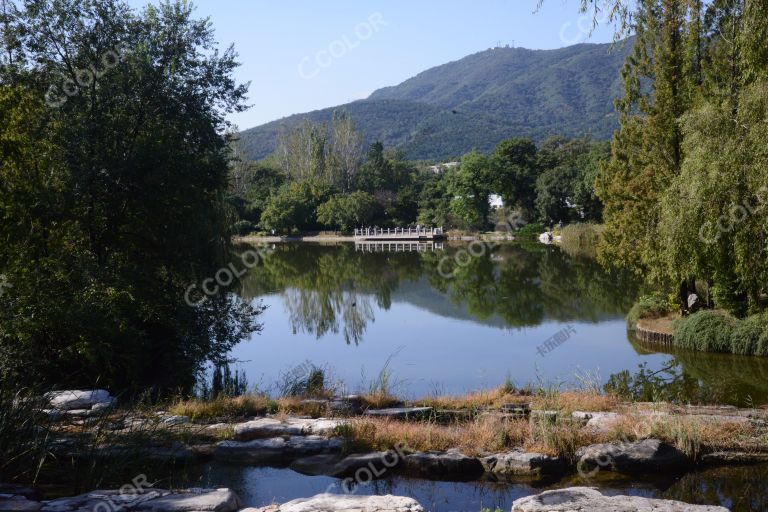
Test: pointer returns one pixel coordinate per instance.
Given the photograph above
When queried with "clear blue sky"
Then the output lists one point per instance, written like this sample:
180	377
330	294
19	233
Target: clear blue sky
306	55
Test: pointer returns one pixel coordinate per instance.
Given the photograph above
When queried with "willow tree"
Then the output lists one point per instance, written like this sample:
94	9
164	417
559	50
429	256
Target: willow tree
660	78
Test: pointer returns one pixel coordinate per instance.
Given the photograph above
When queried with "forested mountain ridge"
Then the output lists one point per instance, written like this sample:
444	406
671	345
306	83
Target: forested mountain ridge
478	100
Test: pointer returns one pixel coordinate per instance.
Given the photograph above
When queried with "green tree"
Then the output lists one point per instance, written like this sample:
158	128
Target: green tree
469	187
112	198
347	211
514	171
294	206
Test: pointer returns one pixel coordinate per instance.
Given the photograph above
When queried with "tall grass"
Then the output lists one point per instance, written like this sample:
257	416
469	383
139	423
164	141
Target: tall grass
24	435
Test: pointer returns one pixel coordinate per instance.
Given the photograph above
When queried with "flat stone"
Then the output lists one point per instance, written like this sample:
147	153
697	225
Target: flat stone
345	503
12	503
277	449
735	458
175	420
587	499
375	465
271	427
644	456
400	413
450	465
598	421
518	463
97	501
193	500
79	399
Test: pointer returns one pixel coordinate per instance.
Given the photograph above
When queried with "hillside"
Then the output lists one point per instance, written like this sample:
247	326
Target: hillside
481	99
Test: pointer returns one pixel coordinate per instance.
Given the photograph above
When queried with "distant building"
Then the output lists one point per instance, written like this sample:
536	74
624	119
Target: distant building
440	168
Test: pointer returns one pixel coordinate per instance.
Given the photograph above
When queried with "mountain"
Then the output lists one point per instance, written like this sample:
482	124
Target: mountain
481	99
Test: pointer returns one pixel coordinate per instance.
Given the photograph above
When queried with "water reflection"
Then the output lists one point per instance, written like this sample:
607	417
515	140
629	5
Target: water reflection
332	289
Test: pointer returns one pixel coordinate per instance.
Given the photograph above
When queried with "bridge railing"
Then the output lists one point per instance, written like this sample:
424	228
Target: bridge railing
398	232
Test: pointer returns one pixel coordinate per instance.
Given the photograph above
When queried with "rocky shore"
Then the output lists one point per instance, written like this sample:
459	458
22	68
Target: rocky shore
327	446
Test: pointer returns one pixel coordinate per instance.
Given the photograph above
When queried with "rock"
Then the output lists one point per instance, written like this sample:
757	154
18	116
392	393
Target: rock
735	458
193	500
400	413
276	450
450	465
272	427
633	457
152	500
518	410
549	417
350	405
376	464
345	503
74	399
694	304
600	422
522	464
175	420
13	503
585	499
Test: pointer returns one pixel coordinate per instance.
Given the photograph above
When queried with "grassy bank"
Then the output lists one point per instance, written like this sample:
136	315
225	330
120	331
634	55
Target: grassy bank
706	330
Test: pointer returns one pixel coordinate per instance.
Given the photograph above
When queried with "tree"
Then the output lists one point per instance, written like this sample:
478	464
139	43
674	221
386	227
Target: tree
347	211
346	151
514	172
112	197
294	206
469	187
376	173
302	152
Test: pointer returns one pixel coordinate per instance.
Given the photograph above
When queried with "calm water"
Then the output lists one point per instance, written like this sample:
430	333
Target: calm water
740	489
352	311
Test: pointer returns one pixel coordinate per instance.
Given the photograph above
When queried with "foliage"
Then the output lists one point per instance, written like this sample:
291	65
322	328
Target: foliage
294	206
96	187
654	305
707	330
468	187
24	438
347	211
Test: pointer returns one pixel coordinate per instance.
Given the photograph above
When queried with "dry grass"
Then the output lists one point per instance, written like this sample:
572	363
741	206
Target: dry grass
379	400
295	405
569	401
693	435
493	398
223	407
484	435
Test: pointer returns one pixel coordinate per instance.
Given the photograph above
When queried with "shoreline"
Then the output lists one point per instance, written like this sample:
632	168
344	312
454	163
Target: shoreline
489	237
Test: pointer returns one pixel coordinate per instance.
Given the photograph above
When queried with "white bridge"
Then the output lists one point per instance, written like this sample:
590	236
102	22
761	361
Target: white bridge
397	246
415	234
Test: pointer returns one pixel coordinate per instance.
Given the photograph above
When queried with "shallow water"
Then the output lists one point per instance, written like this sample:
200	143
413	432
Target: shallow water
740	489
356	312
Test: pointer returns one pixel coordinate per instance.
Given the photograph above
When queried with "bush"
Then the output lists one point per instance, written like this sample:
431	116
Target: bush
709	331
243	227
650	306
531	230
747	334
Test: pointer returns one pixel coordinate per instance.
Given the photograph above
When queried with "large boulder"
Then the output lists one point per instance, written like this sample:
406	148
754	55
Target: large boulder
450	465
277	450
648	455
345	503
587	499
272	427
80	399
518	463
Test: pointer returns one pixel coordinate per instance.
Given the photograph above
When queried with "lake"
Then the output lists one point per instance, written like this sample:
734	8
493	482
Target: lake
458	318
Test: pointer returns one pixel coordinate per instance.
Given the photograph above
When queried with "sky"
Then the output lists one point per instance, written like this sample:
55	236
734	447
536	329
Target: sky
302	55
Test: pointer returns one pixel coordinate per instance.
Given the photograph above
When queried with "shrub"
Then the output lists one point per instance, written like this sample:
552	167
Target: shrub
531	230
649	306
243	227
747	333
709	331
